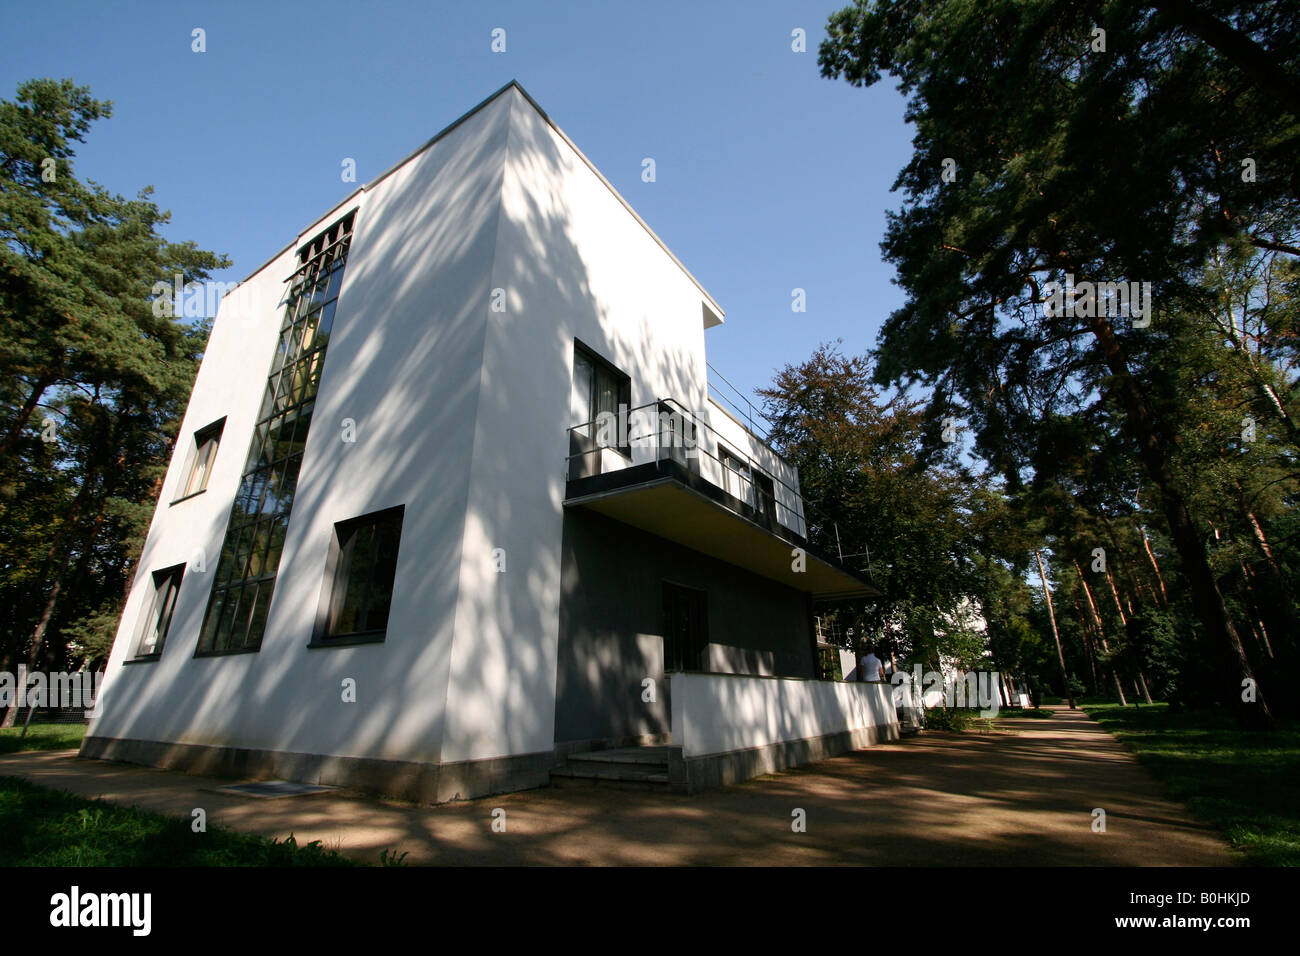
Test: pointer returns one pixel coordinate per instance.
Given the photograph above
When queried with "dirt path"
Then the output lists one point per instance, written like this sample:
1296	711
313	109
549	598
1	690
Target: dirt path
1023	796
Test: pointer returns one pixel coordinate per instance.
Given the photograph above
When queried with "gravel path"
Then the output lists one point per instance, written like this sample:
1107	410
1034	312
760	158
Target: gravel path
1023	795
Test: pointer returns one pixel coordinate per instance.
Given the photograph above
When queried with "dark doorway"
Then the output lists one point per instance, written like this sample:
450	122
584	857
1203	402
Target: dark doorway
686	628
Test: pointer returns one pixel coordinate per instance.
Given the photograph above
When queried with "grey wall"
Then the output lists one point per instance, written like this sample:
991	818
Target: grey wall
611	626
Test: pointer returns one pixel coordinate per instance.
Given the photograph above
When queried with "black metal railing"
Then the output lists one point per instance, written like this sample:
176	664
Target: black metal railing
676	433
728	394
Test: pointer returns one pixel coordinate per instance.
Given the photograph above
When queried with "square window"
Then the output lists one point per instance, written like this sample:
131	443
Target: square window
202	458
359	578
158	618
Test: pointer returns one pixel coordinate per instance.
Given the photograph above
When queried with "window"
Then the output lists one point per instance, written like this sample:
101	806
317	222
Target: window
158	617
202	457
250	554
362	565
599	388
736	477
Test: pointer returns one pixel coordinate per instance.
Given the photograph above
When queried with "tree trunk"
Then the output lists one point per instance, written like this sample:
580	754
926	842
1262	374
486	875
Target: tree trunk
1101	634
1283	598
1115	594
1261	633
1142	681
1253	60
1155	450
1160	579
24	416
1060	654
1088	647
52	560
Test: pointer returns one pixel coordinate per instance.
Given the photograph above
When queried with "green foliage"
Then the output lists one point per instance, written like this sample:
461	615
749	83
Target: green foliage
90	637
950	719
92	382
1109	432
930	532
40	827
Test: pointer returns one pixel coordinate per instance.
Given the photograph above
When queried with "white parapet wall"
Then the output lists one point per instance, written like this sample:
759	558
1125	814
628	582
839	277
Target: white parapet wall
848	665
731	727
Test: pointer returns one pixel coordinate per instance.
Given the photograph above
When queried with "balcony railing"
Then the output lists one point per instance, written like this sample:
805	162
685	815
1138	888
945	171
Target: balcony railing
721	389
665	430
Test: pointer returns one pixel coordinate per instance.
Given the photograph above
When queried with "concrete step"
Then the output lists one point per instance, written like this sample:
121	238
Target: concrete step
594	776
627	768
649	756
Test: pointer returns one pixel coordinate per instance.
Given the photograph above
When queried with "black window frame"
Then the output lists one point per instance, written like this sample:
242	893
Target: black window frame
208	433
162	590
248	565
623	383
337	571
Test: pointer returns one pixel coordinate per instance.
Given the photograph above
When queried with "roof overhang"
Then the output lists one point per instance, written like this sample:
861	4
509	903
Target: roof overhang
667	500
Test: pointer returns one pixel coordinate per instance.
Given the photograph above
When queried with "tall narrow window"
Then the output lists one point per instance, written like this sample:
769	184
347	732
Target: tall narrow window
158	618
765	498
250	555
202	457
598	389
359	578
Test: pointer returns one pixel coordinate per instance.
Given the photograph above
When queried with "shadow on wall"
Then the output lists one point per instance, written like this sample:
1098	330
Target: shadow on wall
461	414
403	364
736	713
574	263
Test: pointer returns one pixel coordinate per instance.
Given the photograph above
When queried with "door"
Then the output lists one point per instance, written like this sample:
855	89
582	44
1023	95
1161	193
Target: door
686	619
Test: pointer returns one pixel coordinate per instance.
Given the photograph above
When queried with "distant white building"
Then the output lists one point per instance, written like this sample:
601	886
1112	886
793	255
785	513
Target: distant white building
452	509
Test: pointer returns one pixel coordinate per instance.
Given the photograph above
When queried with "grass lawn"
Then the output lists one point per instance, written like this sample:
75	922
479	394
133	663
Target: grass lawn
1243	782
40	827
42	737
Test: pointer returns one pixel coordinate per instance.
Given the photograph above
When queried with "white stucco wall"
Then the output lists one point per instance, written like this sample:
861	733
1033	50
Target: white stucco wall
403	363
718	713
460	415
572	262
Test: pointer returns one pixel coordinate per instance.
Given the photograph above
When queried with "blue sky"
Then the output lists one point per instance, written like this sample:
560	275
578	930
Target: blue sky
768	176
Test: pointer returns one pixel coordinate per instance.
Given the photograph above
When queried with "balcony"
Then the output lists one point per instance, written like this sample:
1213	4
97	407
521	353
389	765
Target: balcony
709	484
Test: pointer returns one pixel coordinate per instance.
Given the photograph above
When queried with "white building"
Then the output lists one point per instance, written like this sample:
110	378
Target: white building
447	589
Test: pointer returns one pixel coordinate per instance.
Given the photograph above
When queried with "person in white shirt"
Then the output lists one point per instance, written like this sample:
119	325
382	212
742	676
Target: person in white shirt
871	667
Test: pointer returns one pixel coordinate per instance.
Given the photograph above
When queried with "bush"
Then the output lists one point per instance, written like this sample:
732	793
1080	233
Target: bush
954	719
